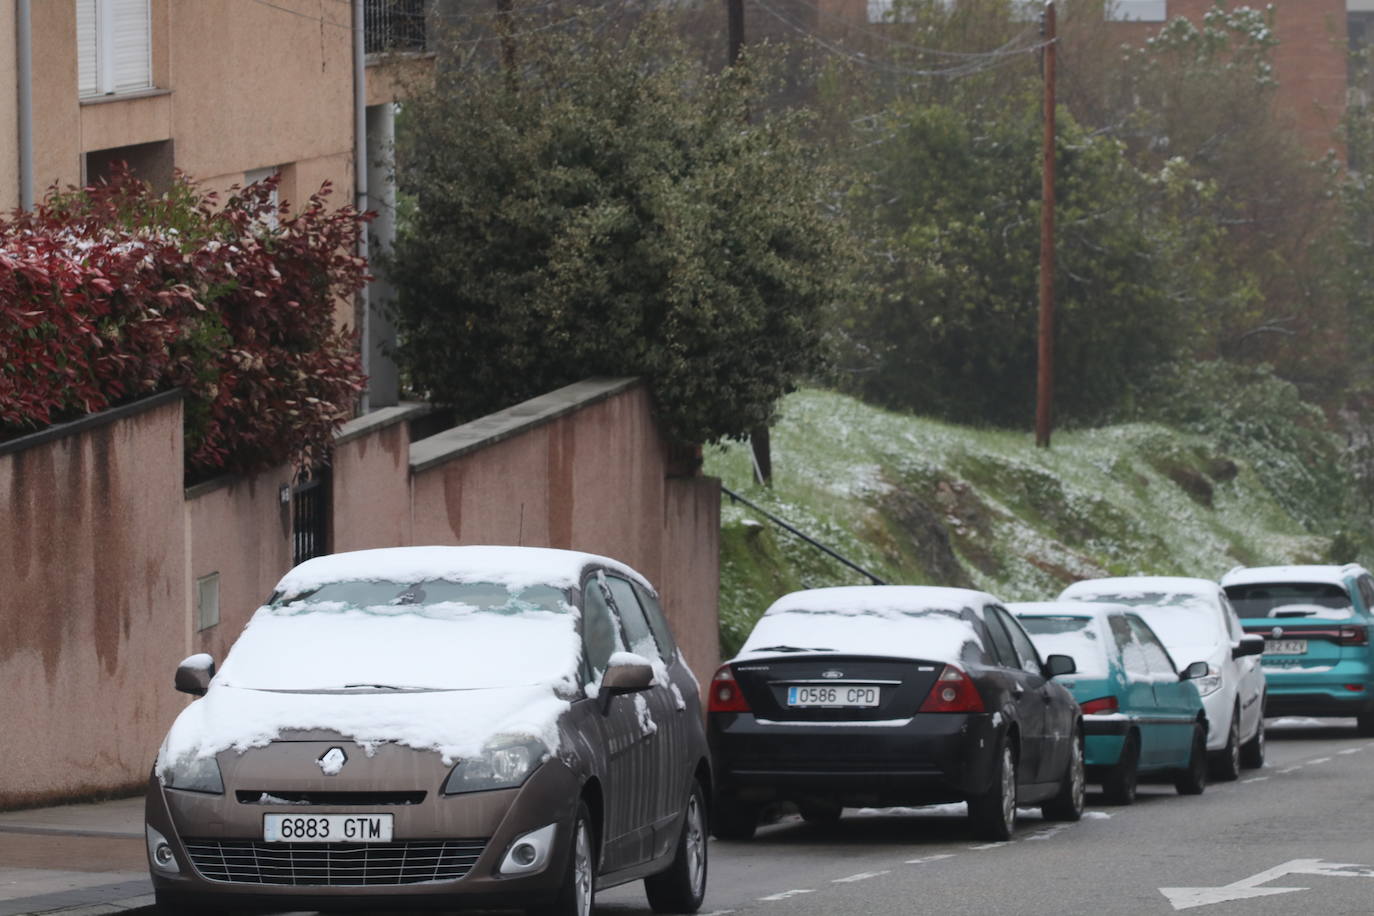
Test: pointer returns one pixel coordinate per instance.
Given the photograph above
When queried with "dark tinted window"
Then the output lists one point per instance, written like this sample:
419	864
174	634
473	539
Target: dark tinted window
1026	656
1290	599
657	622
600	634
1366	586
1001	642
637	632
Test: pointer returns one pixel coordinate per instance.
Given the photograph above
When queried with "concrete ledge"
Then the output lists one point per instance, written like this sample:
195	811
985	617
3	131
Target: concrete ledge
89	421
378	420
503	424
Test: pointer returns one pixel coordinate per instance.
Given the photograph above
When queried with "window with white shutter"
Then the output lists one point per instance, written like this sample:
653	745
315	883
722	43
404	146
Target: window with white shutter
114	47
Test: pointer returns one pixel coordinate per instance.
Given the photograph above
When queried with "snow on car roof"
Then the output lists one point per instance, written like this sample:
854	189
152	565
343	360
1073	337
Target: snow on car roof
1255	575
517	567
901	621
1123	588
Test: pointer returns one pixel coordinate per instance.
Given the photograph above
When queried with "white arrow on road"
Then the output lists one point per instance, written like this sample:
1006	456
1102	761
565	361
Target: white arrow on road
1184	898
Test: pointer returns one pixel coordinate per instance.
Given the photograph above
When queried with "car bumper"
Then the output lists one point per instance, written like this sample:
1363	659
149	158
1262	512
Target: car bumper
1103	740
475	831
1343	689
933	757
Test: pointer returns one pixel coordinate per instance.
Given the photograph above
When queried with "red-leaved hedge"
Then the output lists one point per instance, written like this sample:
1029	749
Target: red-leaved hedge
111	292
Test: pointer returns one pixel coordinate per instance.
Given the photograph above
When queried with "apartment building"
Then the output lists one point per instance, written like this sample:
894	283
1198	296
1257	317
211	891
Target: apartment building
226	91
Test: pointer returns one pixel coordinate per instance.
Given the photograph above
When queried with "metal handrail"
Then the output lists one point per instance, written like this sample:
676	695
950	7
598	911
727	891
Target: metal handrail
790	529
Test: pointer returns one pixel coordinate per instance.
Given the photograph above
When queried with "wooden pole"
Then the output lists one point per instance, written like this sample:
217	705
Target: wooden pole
734	15
1044	401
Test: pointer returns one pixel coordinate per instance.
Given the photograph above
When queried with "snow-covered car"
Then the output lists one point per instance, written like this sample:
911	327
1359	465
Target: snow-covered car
888	695
440	726
1196	623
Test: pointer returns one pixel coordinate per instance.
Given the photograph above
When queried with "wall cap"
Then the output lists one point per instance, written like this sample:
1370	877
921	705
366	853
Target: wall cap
378	420
89	422
493	428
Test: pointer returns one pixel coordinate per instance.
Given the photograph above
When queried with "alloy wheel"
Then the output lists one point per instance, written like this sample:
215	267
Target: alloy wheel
696	845
582	869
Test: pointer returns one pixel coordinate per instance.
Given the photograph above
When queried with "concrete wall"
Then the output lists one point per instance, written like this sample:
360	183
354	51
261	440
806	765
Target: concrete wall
93	602
101	549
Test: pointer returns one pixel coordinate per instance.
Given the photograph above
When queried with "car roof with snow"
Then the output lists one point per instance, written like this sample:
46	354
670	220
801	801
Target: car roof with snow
1124	587
1066	608
1256	575
516	567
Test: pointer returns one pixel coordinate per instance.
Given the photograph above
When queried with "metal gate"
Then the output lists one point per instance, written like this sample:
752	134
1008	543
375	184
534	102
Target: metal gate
310	517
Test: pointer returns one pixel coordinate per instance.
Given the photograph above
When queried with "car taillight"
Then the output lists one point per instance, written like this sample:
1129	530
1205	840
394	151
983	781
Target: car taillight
953	691
725	693
1353	636
1100	706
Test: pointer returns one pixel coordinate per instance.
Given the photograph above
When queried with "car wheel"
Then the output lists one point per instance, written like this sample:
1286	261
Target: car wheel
993	813
1120	781
1252	753
578	889
1192	779
1364	725
682	886
1068	804
733	820
820	812
1226	763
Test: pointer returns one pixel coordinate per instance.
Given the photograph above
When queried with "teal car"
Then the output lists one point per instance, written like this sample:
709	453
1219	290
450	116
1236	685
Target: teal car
1316	623
1142	718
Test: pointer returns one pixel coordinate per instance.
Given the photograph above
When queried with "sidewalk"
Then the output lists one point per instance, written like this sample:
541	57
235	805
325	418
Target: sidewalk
78	860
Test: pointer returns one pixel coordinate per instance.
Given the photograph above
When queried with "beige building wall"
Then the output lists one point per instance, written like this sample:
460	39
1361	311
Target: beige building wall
9	112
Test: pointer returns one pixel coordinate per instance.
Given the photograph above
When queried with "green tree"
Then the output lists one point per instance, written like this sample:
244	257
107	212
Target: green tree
610	207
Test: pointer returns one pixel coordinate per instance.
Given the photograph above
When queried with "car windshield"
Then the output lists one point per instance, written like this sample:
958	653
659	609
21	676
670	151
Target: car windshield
384	636
1291	599
1178	618
1073	636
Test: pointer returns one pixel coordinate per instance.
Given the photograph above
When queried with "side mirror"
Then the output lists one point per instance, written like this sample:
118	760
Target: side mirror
1249	645
194	674
625	673
1056	665
1194	671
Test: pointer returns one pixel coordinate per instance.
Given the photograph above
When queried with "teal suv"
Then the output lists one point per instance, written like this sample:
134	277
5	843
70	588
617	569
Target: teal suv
1143	718
1316	623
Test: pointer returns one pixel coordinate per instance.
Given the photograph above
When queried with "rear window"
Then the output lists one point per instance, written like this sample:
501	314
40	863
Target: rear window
1076	637
1291	600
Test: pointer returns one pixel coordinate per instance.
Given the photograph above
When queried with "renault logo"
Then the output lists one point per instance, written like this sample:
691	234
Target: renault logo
332	761
832	674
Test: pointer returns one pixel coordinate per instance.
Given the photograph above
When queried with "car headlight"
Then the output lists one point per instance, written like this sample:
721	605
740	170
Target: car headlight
502	765
1209	683
194	774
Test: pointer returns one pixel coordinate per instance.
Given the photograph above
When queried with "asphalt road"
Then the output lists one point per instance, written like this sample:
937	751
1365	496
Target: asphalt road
1284	826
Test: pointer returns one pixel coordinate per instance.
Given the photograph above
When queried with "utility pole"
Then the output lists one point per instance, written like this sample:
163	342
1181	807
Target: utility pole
1044	395
734	14
503	25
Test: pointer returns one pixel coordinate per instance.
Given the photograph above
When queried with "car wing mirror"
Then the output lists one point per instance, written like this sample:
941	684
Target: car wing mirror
625	673
194	674
1194	671
1056	665
1249	645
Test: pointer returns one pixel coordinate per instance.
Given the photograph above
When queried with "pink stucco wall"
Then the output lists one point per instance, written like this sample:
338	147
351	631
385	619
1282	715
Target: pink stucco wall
92	608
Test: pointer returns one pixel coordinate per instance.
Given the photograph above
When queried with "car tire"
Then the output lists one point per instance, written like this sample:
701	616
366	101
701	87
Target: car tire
733	820
1192	779
1364	725
820	812
1120	780
1226	762
993	814
682	886
1252	752
577	892
1069	803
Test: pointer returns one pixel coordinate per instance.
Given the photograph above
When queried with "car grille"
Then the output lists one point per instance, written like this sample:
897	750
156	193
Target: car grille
334	864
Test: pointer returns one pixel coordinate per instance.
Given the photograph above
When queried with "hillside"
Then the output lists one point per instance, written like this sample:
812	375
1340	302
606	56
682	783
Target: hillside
922	502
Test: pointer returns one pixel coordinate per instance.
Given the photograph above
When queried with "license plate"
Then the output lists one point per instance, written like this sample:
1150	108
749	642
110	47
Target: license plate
1285	647
837	695
326	828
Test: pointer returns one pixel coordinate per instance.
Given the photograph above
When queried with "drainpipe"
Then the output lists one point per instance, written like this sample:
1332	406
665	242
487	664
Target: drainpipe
23	36
360	185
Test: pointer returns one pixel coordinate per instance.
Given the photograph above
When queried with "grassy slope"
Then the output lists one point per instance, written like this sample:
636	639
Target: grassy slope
922	502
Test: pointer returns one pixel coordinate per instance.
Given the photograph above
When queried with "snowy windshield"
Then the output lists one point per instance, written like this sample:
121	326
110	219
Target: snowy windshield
1073	636
1178	619
938	634
1291	599
429	635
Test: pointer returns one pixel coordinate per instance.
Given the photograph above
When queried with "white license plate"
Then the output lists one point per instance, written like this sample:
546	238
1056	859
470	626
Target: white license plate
326	828
1285	647
837	695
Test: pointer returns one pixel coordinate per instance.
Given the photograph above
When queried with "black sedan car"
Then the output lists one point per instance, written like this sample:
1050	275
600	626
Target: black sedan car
893	695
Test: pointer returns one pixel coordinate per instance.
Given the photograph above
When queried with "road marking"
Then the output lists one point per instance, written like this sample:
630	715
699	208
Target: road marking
1255	779
924	859
1351	750
786	895
861	876
1184	898
1320	760
1047	832
1292	769
718	913
991	846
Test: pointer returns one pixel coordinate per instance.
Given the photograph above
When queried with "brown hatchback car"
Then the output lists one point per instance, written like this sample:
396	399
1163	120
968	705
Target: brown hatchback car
449	727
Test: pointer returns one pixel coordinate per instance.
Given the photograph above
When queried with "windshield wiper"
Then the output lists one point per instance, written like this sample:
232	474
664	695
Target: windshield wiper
793	649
